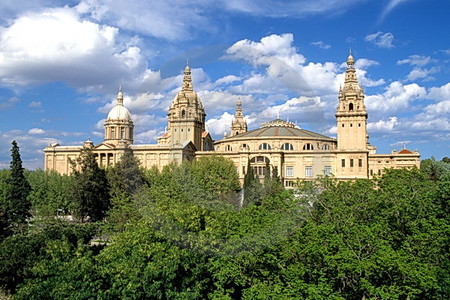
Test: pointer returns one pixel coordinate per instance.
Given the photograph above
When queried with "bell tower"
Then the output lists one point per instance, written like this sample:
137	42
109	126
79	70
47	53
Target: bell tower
239	125
186	116
351	114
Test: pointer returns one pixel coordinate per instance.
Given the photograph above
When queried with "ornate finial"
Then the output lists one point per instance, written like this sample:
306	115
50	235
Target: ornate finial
120	96
350	60
187	80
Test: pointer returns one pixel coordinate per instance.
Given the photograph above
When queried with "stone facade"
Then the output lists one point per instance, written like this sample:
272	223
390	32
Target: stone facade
295	152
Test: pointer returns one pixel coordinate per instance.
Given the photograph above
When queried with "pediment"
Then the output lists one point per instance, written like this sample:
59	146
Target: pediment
104	146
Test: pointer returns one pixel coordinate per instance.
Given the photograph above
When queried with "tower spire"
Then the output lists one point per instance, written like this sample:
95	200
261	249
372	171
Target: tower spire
119	98
239	125
187	80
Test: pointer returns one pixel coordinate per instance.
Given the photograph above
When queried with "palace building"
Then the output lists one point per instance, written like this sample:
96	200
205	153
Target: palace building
295	152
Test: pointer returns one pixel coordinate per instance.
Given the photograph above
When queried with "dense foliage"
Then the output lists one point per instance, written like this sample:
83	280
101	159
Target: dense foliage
186	232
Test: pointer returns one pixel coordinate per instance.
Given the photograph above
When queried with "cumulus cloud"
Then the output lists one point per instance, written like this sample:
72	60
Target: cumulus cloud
381	39
420	73
219	125
57	45
396	97
440	93
284	66
36	131
383	125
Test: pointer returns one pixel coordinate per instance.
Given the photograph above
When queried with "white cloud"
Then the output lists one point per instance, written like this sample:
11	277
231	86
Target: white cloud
321	45
419	73
36	131
383	125
227	79
397	97
415	60
381	39
35	104
440	93
9	103
291	8
171	20
389	7
218	126
57	45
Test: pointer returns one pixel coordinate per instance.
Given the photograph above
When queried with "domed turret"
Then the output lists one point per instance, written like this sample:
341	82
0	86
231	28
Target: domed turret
118	124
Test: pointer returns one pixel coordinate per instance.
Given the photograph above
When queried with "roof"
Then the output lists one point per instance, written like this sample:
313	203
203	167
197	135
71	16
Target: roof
405	151
119	112
279	128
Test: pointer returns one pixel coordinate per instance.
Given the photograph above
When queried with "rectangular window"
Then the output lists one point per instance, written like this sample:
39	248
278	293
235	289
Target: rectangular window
308	171
343	163
360	162
351	162
289	171
327	170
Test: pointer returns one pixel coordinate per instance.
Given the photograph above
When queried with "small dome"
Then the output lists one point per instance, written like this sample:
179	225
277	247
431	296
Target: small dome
119	112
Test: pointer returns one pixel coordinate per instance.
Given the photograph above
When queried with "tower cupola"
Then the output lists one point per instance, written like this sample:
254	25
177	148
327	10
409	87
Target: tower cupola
119	125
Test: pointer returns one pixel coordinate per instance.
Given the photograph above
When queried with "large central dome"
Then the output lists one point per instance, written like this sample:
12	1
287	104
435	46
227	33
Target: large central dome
119	112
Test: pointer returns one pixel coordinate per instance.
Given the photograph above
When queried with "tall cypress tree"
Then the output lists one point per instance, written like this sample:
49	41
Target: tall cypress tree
252	186
91	189
17	205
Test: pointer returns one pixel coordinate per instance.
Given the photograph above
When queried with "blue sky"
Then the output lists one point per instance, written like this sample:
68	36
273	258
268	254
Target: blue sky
61	63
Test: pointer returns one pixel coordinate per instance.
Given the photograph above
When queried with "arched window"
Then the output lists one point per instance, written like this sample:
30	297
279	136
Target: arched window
259	159
350	107
228	148
308	146
264	146
287	146
183	113
325	147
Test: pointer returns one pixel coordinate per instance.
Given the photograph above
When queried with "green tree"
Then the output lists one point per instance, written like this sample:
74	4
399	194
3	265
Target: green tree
252	189
217	175
433	168
51	193
90	189
15	203
126	177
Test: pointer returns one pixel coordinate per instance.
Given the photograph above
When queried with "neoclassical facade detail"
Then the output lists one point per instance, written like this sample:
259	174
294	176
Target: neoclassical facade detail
296	153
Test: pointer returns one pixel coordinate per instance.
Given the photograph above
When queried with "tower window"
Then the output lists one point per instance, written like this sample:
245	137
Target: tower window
326	147
228	148
342	125
183	113
351	125
350	107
